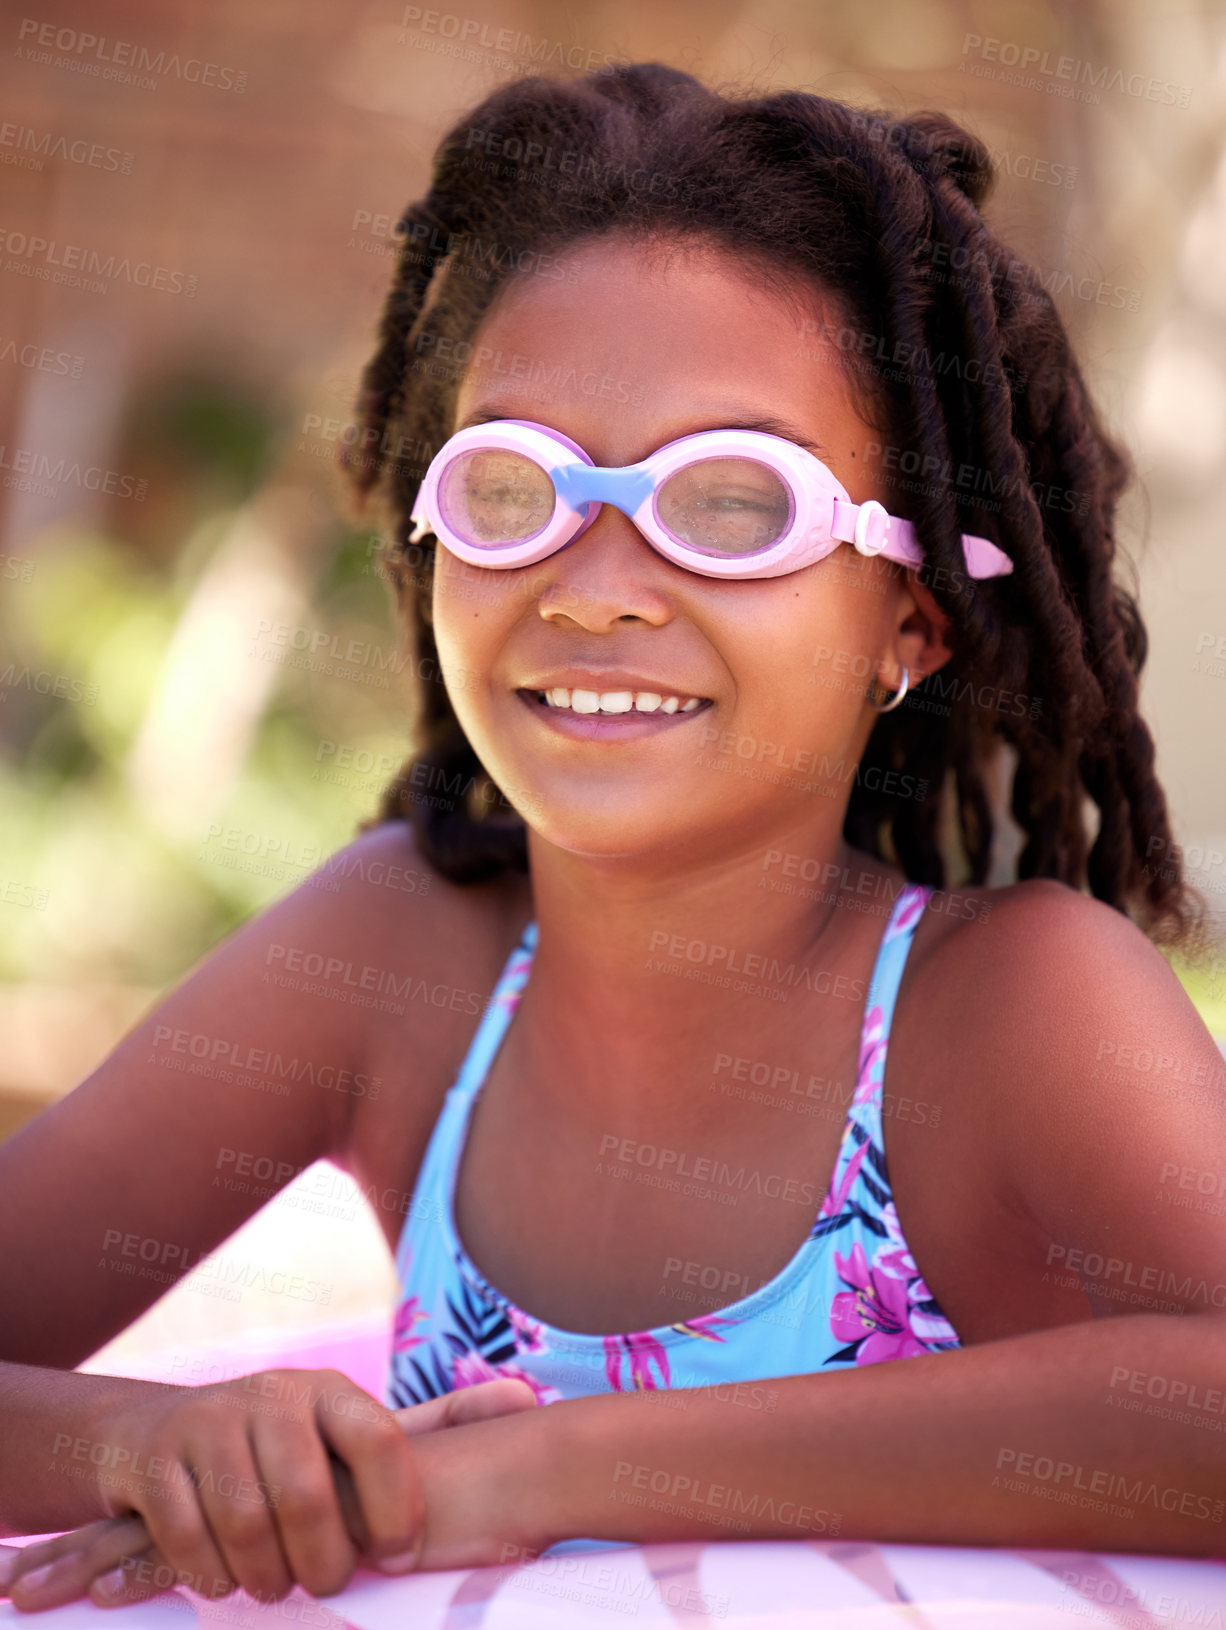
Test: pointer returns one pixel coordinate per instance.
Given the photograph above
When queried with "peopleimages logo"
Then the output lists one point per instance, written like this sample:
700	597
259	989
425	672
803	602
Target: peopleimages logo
104	58
1067	76
27	461
42	357
31	146
468	32
79	266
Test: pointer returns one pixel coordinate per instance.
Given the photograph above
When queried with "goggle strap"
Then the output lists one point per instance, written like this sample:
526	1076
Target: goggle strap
899	541
983	558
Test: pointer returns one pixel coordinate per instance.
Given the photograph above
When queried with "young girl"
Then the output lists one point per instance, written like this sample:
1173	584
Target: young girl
765	541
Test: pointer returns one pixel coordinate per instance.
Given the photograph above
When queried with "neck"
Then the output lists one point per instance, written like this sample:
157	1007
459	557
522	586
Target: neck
640	983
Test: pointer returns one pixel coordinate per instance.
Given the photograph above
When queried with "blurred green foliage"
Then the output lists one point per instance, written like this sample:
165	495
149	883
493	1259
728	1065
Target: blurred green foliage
92	887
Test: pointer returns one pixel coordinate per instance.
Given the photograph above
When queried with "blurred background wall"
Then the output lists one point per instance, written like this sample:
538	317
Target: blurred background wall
194	244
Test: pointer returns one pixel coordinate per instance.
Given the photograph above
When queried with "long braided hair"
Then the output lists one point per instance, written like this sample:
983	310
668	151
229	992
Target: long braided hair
954	348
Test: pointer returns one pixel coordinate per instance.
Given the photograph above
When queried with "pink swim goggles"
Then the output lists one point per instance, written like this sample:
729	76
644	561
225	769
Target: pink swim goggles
723	503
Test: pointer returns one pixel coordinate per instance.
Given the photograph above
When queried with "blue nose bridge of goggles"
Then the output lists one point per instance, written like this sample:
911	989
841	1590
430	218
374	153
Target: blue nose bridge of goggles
625	487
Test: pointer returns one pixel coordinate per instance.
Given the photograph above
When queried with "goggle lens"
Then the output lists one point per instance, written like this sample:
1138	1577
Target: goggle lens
725	506
494	496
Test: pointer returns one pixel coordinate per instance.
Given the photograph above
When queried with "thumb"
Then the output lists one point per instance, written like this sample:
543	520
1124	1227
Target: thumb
483	1402
10	1555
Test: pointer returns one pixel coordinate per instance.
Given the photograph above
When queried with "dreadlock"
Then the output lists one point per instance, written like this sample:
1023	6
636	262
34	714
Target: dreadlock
956	351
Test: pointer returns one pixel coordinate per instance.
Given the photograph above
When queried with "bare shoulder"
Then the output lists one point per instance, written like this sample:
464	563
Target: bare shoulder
1078	1094
418	957
1075	1041
380	895
1032	963
348	967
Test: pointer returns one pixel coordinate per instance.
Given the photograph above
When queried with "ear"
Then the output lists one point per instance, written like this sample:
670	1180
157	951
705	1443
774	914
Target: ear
927	620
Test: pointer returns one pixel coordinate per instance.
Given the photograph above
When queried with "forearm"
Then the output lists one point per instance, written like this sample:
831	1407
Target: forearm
58	1462
1027	1441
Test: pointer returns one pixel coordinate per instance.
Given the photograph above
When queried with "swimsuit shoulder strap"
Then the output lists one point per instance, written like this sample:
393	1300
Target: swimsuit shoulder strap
499	1011
892	960
879	1008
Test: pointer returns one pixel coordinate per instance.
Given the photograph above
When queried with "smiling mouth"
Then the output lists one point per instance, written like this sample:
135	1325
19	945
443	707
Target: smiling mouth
615	704
614	713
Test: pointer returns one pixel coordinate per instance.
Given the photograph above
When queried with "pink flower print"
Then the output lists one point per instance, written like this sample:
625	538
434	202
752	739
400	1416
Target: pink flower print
894	1255
836	1196
928	1326
871	1067
470	1370
875	1312
898	1264
932	1327
704	1326
643	1351
528	1337
888	1217
896	1260
514	980
911	912
408	1314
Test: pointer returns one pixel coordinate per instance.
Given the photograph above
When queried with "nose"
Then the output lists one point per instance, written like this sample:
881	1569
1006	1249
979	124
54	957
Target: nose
608	574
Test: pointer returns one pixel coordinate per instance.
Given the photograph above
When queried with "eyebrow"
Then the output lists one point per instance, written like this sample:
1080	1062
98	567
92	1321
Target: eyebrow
768	424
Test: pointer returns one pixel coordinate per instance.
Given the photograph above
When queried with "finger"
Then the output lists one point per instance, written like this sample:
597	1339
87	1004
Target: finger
183	1538
10	1556
61	1569
238	1513
351	1509
483	1402
135	1579
294	1466
366	1437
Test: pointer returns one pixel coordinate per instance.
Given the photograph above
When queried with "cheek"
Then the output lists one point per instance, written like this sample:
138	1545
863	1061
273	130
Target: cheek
474	613
812	659
825	625
462	637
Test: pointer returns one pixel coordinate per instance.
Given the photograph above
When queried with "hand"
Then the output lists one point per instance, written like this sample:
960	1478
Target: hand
370	1511
501	1490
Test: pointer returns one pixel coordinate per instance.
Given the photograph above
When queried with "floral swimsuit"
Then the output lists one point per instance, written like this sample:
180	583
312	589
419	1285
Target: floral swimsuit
852	1294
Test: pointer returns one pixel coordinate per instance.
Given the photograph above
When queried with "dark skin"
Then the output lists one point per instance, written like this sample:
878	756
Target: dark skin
1000	1023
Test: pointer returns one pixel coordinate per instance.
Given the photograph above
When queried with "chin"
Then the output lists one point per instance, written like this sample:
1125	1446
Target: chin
614	834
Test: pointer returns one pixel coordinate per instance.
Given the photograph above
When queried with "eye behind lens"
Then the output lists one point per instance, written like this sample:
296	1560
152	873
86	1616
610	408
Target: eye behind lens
495	496
726	505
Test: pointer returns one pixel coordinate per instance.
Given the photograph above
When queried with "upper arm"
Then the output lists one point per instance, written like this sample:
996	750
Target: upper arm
1109	1105
249	1066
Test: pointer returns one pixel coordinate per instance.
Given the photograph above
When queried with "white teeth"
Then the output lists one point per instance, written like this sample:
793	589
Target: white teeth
618	701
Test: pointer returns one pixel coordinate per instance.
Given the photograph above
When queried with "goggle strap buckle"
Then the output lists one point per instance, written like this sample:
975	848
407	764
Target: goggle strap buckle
872	530
983	558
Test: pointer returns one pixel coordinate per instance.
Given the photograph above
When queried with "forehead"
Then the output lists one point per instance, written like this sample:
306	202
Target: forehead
622	344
